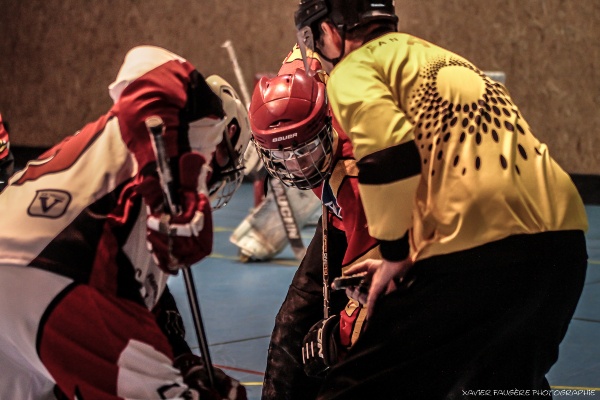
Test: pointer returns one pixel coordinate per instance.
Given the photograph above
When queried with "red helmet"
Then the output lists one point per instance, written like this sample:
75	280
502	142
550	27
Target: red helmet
291	129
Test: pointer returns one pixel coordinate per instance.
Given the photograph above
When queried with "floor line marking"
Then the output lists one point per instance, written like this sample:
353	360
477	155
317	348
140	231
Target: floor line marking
290	263
248	371
230	342
239	340
574	388
551	387
585	319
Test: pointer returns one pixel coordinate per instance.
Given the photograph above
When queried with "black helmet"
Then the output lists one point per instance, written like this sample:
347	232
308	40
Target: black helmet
345	14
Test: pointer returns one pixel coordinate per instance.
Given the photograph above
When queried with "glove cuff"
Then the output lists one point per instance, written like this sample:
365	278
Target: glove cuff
320	346
186	363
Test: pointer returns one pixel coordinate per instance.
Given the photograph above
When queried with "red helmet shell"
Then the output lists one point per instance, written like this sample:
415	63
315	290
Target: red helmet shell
287	110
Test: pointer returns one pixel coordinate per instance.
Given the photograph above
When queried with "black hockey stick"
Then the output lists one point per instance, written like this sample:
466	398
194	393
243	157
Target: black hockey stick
156	126
325	259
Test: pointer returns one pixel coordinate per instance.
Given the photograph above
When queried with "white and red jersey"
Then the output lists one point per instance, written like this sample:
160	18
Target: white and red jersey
75	211
74	214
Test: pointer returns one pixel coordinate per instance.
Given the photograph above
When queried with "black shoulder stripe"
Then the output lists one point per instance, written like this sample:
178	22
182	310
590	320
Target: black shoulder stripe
395	250
390	165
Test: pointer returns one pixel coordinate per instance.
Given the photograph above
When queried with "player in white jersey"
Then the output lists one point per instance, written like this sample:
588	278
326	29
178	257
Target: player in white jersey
77	279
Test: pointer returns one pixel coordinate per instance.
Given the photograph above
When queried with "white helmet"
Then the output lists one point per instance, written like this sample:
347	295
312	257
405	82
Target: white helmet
228	162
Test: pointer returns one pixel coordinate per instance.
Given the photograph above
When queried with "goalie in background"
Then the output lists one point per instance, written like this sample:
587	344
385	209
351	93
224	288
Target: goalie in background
267	229
302	146
82	263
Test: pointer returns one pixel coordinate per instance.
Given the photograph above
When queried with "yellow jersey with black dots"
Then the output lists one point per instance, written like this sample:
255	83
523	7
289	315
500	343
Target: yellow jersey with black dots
443	152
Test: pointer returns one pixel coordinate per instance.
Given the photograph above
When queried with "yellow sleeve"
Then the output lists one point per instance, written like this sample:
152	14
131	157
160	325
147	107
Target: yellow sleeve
383	142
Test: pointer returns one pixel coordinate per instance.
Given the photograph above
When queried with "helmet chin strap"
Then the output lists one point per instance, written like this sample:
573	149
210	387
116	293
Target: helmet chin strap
337	59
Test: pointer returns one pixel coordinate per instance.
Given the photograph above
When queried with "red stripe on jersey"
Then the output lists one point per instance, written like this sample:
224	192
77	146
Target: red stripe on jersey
63	157
84	335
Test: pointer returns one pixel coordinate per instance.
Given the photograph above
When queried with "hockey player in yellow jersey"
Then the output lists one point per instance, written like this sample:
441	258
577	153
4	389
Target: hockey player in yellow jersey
481	231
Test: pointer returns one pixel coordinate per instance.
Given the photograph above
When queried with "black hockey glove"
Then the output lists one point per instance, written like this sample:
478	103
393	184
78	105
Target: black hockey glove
195	376
320	346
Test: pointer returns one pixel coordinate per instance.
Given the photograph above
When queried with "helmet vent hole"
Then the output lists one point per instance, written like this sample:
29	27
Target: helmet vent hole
280	122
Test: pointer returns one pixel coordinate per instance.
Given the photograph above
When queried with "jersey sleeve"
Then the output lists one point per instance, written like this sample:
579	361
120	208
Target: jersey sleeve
387	158
344	184
177	93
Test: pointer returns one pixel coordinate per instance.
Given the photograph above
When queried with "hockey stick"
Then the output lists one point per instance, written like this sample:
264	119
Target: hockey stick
238	72
156	128
292	230
325	255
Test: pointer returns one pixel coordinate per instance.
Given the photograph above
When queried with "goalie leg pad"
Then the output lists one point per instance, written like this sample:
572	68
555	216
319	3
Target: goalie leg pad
261	235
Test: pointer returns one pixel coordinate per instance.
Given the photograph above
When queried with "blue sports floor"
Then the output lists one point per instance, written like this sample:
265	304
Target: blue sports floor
239	303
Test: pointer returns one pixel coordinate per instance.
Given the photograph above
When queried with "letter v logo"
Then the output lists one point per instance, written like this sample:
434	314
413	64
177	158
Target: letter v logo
49	203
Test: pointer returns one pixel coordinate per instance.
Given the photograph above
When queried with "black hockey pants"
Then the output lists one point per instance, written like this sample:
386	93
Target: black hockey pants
471	323
302	307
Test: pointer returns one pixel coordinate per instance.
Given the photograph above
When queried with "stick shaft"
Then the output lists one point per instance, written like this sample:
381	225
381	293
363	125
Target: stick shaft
325	252
156	127
238	72
288	220
198	324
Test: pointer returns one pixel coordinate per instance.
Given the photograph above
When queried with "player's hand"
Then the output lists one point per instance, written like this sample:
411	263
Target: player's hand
383	277
179	240
195	376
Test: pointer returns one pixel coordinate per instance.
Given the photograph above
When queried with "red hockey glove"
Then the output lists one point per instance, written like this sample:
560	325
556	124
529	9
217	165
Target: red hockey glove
195	376
186	238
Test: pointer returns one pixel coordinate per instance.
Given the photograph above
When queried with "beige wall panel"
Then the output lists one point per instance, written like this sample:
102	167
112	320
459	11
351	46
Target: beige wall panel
58	56
549	51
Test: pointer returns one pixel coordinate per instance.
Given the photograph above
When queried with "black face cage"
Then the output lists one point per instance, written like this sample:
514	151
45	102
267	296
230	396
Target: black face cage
226	180
302	166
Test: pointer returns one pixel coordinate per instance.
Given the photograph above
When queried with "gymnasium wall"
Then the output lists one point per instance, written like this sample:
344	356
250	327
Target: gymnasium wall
57	57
